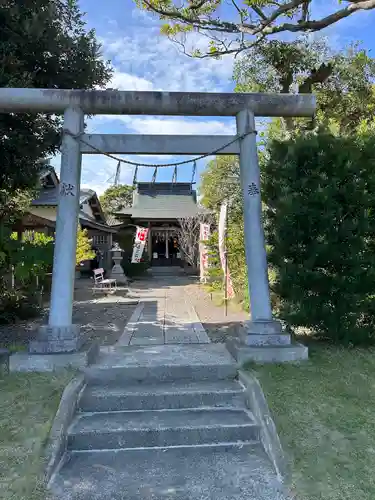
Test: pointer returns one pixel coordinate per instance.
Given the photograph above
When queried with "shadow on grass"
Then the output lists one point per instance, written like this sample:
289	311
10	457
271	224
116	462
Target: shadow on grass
27	409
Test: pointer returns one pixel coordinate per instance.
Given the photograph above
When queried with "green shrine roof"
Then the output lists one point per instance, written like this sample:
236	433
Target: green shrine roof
163	200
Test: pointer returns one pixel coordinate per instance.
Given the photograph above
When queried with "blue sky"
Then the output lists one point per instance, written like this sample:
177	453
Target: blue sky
145	60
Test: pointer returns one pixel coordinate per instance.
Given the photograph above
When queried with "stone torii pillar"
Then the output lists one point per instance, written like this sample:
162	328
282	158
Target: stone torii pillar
60	335
262	336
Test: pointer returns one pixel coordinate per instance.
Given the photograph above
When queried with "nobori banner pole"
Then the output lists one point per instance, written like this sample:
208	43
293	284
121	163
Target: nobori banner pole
64	260
255	249
119	102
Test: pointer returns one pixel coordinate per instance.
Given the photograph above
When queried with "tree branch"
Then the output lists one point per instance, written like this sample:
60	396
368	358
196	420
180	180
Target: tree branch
319	75
267	24
228	27
259	11
197	5
326	21
305	11
238	9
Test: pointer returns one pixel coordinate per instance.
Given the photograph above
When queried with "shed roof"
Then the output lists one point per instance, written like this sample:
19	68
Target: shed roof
49	197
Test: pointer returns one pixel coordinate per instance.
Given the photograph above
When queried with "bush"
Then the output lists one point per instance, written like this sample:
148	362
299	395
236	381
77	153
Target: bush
214	271
84	250
31	257
15	305
320	224
134	270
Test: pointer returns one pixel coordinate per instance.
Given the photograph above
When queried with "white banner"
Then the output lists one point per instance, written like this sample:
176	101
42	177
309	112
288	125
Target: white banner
222	248
139	244
203	236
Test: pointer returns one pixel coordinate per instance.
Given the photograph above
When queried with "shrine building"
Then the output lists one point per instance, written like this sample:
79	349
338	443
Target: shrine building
159	206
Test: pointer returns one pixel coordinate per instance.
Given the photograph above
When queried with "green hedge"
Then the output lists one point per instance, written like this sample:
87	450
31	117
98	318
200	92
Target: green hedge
319	192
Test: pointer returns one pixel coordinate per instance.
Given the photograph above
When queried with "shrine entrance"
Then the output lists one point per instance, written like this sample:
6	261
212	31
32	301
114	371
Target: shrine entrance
60	335
165	250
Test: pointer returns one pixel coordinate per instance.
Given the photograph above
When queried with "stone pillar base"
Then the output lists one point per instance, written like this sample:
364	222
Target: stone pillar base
117	273
263	333
265	342
57	339
49	362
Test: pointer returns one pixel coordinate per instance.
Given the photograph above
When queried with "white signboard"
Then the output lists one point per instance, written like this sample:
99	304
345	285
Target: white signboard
139	244
203	236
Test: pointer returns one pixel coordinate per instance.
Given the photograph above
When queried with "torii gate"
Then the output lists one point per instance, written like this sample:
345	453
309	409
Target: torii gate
61	335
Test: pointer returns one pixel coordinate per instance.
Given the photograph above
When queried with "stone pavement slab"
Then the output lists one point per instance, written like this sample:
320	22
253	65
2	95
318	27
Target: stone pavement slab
165	355
164	316
158	363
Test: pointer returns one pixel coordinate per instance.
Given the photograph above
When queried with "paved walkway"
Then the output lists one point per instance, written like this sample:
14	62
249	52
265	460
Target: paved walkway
164	315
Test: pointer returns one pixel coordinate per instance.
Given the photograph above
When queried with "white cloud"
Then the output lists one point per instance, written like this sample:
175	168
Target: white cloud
126	81
171	125
144	60
147	54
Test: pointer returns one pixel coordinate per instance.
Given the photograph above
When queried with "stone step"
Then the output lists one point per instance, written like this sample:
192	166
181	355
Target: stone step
160	428
165	271
162	396
228	472
162	363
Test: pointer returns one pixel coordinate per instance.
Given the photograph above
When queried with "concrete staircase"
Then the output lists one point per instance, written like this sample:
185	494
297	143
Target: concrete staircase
165	422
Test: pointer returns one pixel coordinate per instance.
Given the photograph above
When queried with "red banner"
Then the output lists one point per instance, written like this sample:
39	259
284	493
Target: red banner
139	244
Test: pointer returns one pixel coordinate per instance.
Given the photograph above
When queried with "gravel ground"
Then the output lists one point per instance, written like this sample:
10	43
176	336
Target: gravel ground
212	315
102	317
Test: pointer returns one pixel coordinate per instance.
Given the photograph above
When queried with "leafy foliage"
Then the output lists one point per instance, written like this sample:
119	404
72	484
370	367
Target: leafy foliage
214	271
132	270
115	198
243	23
219	182
342	82
188	234
282	67
17	305
33	256
320	196
84	250
29	257
43	44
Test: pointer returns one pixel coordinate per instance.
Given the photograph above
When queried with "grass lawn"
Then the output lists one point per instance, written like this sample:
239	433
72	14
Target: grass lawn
324	410
28	403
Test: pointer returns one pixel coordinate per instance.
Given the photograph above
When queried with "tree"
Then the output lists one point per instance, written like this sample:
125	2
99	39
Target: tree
43	44
341	81
115	198
24	263
343	84
247	21
84	250
319	192
188	235
221	181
